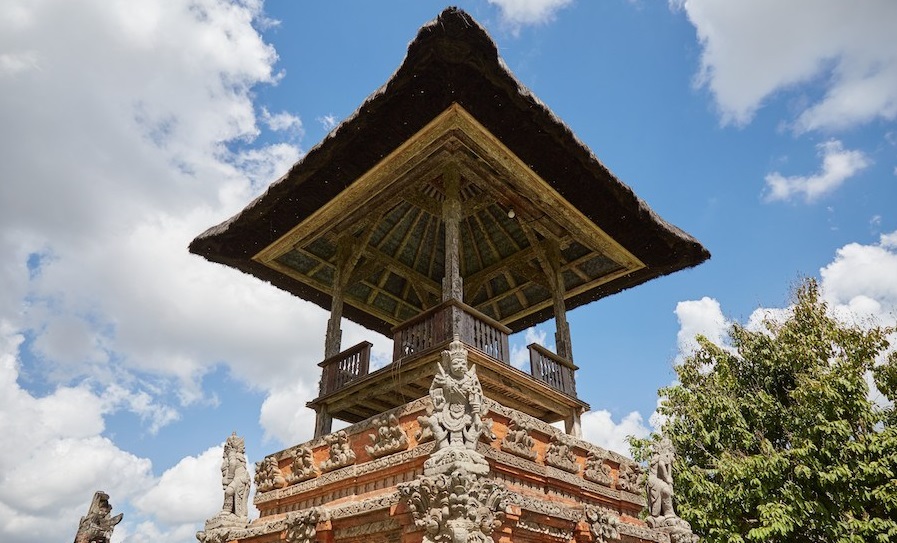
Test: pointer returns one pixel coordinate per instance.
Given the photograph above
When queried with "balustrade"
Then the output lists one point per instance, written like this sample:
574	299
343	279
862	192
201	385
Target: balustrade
551	369
344	367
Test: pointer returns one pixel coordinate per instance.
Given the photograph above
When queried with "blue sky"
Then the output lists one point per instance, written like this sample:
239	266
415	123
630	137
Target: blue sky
764	129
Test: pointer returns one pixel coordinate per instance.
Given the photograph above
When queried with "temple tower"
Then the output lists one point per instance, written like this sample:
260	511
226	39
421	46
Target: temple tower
451	210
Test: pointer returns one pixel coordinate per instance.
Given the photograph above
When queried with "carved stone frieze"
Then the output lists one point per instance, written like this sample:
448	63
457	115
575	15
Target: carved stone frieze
642	532
97	525
560	454
516	461
542	506
268	475
302	467
597	470
603	525
368	528
365	506
341	454
388	437
629	477
301	527
545	530
457	507
518	440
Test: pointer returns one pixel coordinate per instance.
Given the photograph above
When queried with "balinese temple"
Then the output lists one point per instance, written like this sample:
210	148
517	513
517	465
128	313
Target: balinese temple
451	210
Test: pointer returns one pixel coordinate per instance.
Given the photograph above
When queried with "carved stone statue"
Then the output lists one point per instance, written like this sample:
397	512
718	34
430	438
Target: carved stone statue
388	438
341	454
302	527
303	466
456	421
97	525
597	470
660	495
235	478
268	475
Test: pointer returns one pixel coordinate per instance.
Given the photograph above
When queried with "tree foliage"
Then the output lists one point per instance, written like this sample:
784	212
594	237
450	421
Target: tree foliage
776	436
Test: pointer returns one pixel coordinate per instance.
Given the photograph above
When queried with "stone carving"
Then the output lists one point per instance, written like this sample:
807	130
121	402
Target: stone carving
341	454
519	441
628	478
389	437
303	526
603	525
597	470
268	475
551	532
97	525
303	466
560	454
235	479
455	508
660	495
456	420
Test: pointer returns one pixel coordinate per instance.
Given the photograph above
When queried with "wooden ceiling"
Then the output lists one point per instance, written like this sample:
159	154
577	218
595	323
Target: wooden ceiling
392	217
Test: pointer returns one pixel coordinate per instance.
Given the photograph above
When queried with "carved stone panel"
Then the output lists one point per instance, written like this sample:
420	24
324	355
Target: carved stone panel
560	454
341	454
629	476
518	440
456	507
303	466
268	475
388	437
597	470
603	525
301	527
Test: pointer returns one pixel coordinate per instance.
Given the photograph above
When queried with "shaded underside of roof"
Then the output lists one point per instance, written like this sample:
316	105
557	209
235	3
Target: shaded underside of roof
452	61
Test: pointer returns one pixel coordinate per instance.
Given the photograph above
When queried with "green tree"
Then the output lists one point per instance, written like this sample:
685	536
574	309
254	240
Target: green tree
776	436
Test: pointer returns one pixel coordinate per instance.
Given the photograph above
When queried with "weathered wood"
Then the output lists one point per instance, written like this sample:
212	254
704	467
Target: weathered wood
552	369
452	284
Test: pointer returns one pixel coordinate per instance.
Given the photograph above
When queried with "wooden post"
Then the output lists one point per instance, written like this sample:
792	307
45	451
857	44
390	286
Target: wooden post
452	283
348	252
556	280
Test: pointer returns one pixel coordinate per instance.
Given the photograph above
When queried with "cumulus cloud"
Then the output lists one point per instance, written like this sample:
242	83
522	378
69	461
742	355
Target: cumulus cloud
518	13
751	50
838	165
599	428
863	279
699	317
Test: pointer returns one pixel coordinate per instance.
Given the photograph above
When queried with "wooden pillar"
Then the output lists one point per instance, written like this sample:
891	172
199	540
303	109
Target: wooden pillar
452	283
347	254
562	328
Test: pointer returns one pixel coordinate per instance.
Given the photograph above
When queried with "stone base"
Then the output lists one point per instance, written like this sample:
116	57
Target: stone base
226	520
678	529
451	459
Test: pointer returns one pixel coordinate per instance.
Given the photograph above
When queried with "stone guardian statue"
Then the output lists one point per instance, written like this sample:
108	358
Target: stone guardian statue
97	525
660	495
235	478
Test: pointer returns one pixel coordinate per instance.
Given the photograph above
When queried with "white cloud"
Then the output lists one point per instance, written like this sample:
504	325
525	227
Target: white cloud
598	427
284	416
517	13
328	121
751	50
699	317
863	279
282	121
187	493
838	165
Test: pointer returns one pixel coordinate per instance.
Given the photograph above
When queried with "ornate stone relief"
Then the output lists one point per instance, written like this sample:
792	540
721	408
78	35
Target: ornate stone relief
301	527
661	514
597	470
456	420
303	466
341	454
551	532
268	475
603	525
455	508
518	440
97	525
388	438
628	478
560	454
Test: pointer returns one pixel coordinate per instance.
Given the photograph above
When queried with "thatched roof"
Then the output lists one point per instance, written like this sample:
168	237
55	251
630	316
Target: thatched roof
377	179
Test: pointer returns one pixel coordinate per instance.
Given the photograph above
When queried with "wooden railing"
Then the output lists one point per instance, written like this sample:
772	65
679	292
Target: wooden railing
440	324
551	369
342	368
